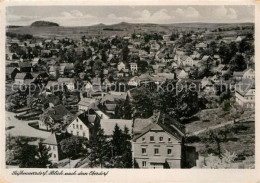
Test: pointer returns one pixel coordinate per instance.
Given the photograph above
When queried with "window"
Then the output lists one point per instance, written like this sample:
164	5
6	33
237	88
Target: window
71	132
143	139
143	150
169	151
54	155
77	119
144	163
53	147
80	126
77	133
152	138
161	139
156	151
73	126
84	134
169	139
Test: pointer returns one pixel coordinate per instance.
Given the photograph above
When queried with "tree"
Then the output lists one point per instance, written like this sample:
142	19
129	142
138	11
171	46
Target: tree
103	56
43	156
142	66
78	66
25	155
223	52
127	108
142	102
100	151
238	63
121	149
73	145
98	65
125	52
233	48
226	161
117	138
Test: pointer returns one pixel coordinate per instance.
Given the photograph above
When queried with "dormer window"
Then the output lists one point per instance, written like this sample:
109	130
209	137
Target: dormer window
143	139
161	139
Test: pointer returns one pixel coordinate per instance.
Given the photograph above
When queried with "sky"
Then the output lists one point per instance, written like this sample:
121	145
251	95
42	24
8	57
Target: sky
91	15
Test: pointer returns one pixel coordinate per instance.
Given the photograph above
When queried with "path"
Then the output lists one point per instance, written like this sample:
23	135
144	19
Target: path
21	128
212	128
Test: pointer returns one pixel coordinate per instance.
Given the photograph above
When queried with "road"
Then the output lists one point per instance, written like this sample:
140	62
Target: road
21	128
104	116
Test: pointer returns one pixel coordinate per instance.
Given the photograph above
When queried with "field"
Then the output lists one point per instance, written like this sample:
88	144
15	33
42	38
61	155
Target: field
121	29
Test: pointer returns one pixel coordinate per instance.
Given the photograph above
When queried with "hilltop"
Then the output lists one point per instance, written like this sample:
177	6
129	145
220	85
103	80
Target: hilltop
44	24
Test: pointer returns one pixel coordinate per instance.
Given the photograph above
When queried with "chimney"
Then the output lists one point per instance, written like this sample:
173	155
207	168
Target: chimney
163	118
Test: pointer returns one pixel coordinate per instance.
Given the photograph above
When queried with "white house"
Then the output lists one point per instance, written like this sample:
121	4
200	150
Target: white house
80	126
120	66
245	93
133	67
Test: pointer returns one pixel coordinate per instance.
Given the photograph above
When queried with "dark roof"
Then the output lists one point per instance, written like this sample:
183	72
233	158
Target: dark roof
25	64
50	99
159	121
10	70
87	118
23	75
58	112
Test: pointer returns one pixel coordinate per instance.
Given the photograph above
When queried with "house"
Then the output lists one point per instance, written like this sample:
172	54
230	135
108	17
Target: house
207	58
108	125
186	60
35	61
133	67
248	73
81	125
23	78
182	75
109	103
120	74
69	82
54	70
161	77
52	143
240	38
245	93
157	142
120	66
166	37
134	81
87	103
11	72
68	67
201	46
25	66
40	77
55	114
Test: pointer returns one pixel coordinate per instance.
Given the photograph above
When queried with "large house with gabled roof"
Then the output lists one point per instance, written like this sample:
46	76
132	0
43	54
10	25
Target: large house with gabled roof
52	143
157	142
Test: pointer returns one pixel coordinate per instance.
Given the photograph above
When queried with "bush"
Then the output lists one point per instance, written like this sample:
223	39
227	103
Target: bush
193	139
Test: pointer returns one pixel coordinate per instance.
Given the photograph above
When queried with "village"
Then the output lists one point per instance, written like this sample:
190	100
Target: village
176	99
